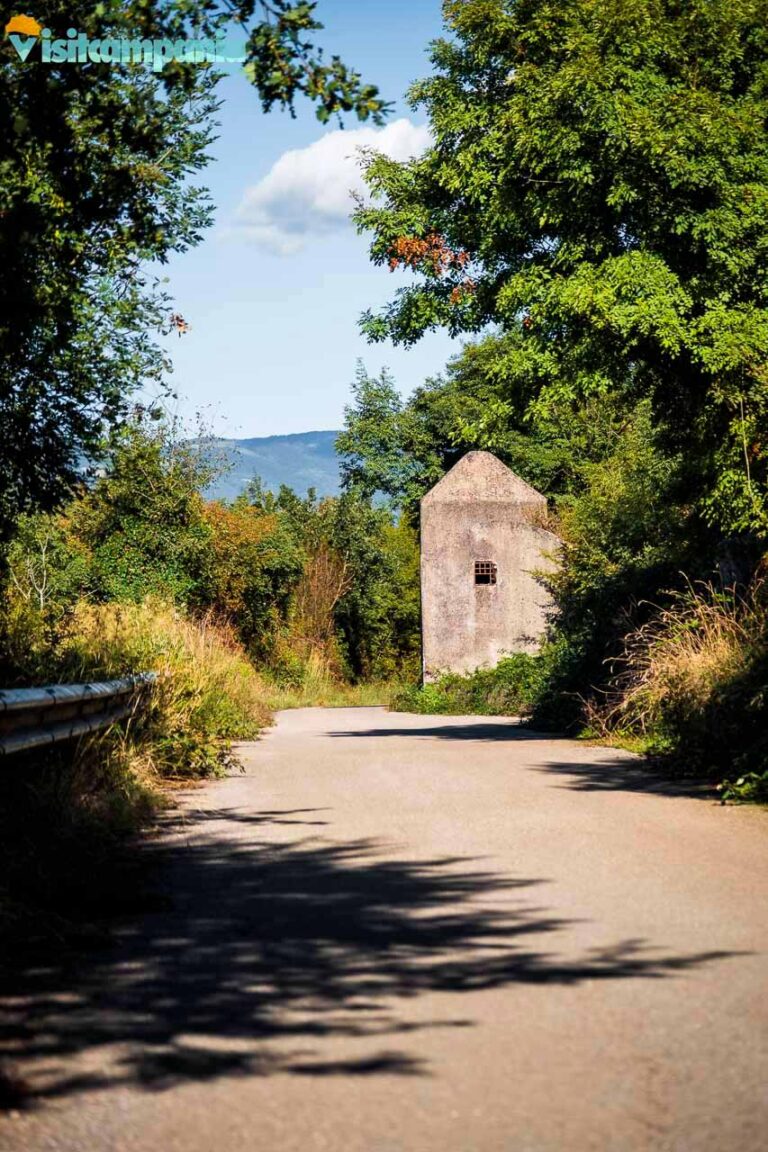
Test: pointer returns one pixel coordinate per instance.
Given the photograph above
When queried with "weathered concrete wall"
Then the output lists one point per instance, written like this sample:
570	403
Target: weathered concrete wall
481	511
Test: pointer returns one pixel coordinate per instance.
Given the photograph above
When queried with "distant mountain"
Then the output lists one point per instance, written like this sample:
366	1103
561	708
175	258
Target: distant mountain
302	460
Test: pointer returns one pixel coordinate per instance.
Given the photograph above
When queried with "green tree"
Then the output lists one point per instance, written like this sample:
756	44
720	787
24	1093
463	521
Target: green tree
372	448
255	562
402	448
144	521
378	617
284	60
97	166
598	185
98	185
372	560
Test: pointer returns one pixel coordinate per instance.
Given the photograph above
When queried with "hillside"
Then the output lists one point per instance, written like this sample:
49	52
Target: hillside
301	460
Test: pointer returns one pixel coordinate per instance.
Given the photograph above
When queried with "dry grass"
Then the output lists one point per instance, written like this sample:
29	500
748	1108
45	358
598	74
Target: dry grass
678	662
207	694
324	581
67	807
694	689
319	687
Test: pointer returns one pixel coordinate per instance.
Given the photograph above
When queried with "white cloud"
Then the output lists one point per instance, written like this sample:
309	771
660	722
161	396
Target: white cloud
307	192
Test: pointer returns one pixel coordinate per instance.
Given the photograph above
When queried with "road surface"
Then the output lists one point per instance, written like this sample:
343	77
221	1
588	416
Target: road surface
415	934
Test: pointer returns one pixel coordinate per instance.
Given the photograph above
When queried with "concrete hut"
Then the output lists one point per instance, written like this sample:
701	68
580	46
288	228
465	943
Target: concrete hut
482	540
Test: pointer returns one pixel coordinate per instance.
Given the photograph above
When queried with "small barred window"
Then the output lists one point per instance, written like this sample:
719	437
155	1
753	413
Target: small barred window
485	572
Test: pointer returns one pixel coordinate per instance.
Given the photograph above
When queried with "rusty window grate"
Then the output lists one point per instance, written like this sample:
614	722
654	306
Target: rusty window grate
485	572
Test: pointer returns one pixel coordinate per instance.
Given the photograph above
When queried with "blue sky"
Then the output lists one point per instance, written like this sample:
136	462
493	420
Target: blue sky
275	291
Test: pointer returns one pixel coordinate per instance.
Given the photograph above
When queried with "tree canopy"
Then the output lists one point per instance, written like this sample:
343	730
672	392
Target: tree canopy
598	186
99	184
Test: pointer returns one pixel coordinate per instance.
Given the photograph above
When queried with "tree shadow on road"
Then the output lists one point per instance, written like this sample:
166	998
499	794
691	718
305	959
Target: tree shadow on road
622	774
596	773
248	956
451	729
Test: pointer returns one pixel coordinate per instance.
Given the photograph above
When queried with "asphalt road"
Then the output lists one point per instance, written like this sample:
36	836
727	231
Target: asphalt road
415	934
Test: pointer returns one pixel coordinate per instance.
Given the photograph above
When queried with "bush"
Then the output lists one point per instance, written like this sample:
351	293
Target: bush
509	689
623	537
311	681
143	522
694	685
254	566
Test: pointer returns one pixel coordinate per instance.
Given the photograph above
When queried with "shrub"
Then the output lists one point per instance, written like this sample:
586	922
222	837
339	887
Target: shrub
694	684
509	689
143	521
254	566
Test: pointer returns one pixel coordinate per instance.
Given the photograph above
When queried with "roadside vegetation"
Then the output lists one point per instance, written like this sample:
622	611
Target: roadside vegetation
509	689
101	185
593	216
658	637
270	602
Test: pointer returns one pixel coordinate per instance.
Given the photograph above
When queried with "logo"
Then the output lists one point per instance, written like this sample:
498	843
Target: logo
23	31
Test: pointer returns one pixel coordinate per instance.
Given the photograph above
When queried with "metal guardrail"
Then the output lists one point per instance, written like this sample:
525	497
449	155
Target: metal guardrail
37	717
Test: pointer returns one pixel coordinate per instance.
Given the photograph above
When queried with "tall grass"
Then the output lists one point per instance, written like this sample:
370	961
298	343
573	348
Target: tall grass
207	695
64	810
693	682
309	678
